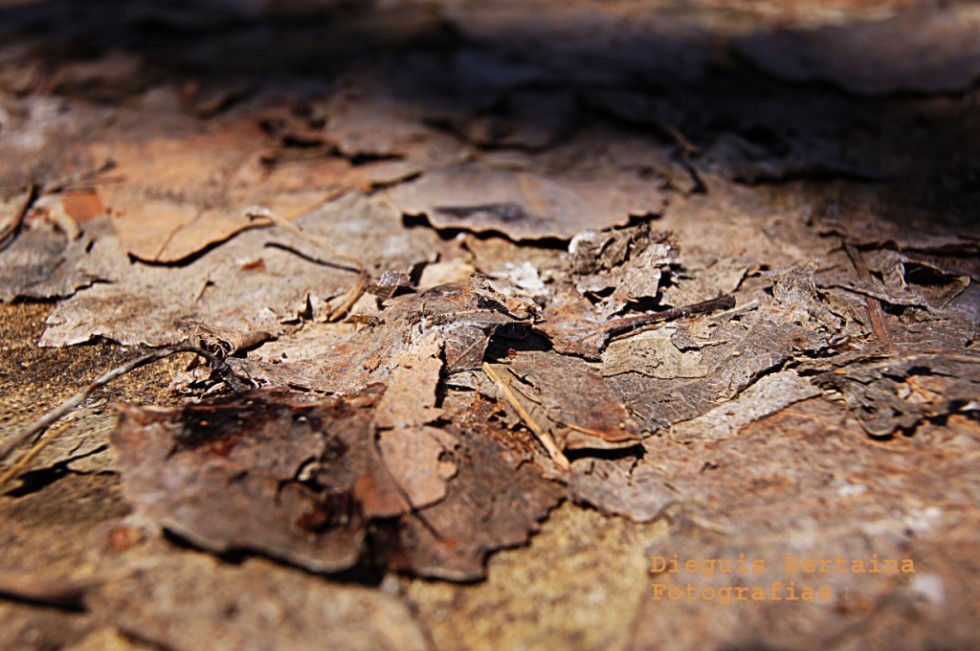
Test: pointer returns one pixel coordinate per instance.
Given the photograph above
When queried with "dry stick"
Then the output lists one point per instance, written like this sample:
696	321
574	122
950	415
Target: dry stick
690	149
48	419
10	231
544	437
351	296
875	314
631	325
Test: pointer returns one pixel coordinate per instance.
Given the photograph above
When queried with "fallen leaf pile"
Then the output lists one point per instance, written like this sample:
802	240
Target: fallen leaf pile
473	264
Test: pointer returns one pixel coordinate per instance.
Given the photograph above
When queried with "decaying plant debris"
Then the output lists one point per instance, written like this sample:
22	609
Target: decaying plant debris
464	264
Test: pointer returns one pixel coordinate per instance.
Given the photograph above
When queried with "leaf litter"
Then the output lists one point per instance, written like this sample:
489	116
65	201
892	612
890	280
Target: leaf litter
458	302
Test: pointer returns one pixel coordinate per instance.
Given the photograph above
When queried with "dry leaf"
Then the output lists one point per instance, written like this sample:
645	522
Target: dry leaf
42	262
171	197
248	290
411	395
565	399
419	459
526	205
303	480
461	316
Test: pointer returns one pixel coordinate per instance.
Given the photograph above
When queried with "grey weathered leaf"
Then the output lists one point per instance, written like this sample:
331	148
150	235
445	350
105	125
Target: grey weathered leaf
527	205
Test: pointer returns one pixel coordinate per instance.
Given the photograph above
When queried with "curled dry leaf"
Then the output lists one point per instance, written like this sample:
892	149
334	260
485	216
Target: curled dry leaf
896	393
248	290
665	383
629	263
907	279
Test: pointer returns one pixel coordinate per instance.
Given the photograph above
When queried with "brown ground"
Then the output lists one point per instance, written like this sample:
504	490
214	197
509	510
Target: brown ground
81	569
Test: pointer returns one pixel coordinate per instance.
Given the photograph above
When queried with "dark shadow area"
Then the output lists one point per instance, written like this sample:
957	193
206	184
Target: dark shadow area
37	480
530	81
635	452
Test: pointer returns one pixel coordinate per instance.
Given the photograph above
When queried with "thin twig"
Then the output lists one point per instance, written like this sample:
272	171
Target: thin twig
34	190
539	432
352	295
875	313
631	325
319	242
44	422
10	230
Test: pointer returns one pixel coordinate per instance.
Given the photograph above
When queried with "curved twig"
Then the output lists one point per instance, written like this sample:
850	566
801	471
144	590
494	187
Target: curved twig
47	420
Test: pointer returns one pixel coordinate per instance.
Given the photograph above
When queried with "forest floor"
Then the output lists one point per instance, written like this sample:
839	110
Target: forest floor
512	325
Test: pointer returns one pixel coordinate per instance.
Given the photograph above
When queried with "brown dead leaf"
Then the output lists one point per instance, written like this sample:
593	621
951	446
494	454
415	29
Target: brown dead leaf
564	399
224	475
304	480
630	263
899	392
44	262
417	459
698	370
768	395
568	319
905	279
490	504
526	205
171	197
248	290
411	395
